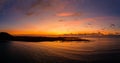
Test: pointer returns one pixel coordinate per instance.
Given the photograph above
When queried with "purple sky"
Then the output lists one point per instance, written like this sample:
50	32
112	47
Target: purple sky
59	16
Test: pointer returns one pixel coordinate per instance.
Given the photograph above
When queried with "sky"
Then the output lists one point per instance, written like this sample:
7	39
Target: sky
60	16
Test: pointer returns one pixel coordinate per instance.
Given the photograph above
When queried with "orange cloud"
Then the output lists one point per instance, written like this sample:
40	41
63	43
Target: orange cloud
52	5
67	14
46	5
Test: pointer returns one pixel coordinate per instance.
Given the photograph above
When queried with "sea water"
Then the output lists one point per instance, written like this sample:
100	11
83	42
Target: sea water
97	50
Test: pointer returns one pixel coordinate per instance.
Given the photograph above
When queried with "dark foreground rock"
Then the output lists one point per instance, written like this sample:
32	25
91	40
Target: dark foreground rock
6	36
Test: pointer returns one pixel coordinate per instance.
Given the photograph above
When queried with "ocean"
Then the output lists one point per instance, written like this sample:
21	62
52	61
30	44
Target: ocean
97	50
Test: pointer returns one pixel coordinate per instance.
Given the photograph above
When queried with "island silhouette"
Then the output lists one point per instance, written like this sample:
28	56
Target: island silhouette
4	36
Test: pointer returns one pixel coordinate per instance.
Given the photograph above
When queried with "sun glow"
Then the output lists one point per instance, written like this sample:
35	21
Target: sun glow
59	32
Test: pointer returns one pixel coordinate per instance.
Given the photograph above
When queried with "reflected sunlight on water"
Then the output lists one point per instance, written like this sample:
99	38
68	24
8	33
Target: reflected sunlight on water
95	50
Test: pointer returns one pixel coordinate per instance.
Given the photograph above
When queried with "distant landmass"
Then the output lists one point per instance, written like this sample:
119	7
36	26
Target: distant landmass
8	37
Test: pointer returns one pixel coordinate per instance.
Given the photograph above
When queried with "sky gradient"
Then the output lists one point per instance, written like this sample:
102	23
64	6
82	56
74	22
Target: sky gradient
60	16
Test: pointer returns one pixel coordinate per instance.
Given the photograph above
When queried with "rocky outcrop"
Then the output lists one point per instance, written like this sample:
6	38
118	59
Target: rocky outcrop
5	36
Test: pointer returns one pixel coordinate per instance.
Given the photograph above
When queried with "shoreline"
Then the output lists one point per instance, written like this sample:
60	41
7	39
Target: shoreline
41	39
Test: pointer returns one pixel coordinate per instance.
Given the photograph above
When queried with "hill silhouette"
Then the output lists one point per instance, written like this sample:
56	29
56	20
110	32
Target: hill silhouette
7	36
